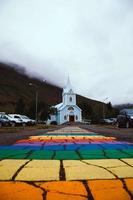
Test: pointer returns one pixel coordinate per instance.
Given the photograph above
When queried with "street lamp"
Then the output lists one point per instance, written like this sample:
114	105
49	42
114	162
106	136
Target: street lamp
36	88
104	107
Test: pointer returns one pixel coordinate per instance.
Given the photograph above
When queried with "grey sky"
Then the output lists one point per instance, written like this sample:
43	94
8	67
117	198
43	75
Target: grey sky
92	41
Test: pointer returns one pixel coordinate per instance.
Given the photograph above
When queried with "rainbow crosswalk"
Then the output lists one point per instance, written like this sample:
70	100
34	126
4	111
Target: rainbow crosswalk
69	162
68	144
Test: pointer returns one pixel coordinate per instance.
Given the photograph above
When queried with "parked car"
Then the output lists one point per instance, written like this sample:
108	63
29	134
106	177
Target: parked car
53	123
106	121
125	118
24	119
41	122
86	121
27	120
14	120
114	120
4	122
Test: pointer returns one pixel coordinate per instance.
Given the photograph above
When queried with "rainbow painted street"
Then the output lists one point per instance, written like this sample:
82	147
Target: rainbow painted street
68	163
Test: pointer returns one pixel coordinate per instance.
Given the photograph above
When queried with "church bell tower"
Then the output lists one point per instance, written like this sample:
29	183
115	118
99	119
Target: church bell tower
69	97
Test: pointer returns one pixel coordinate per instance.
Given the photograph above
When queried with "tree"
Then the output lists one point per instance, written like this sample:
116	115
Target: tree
20	106
109	106
87	109
111	111
43	110
52	110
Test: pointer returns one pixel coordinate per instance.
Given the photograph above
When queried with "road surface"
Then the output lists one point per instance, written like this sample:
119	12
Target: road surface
69	163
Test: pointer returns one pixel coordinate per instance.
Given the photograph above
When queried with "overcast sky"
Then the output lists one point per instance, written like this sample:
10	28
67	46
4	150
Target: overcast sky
89	40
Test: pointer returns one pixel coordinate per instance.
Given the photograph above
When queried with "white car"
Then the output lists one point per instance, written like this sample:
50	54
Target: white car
106	121
24	119
14	120
27	120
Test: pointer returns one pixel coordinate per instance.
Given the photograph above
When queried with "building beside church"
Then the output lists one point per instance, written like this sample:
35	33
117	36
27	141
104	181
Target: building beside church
67	111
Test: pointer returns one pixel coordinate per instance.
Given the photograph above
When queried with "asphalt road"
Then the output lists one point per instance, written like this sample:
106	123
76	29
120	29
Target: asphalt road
10	138
120	133
70	163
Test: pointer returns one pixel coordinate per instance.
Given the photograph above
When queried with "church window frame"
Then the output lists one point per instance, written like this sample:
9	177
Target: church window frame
70	99
71	108
65	117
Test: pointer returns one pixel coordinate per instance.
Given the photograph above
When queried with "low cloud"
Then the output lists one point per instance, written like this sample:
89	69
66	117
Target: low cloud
91	41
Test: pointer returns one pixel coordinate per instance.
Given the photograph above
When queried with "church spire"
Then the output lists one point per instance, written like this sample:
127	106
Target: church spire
69	97
69	83
68	86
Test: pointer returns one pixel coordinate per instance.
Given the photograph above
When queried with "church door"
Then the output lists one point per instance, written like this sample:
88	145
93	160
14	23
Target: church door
71	118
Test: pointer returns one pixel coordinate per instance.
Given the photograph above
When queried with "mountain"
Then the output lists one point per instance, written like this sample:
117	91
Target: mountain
123	106
16	95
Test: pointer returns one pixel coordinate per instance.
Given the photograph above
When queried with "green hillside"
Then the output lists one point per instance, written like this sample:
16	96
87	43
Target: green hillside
17	96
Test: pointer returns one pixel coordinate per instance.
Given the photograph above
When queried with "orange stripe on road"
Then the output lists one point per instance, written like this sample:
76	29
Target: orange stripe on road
108	190
19	191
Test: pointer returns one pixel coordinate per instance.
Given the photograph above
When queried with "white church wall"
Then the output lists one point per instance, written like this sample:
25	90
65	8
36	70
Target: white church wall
64	116
67	99
51	119
80	117
71	100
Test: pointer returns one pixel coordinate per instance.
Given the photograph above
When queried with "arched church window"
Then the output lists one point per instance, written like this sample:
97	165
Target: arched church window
65	117
70	99
70	108
76	117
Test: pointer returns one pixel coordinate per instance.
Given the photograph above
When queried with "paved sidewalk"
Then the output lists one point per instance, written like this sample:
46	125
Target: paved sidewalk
69	163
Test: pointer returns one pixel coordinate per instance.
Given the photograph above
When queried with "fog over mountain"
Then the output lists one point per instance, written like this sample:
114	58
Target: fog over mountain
91	41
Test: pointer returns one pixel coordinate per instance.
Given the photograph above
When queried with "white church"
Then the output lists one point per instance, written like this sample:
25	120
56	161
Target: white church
67	111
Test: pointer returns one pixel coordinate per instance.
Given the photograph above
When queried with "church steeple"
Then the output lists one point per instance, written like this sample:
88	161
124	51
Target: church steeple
69	97
68	88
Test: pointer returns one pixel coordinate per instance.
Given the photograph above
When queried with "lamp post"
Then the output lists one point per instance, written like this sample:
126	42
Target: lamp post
36	89
104	107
